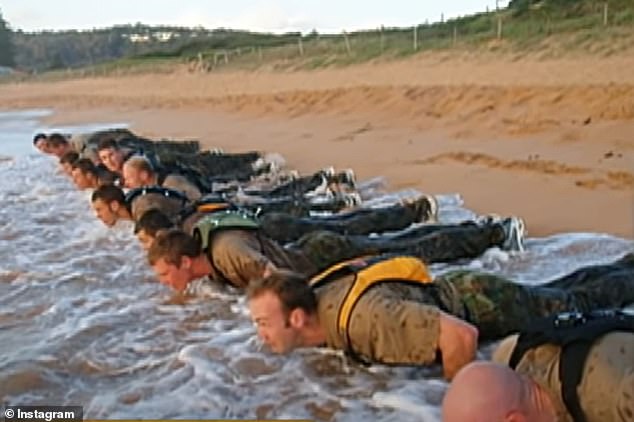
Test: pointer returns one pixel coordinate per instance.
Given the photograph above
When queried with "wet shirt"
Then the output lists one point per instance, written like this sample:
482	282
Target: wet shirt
181	184
392	323
606	392
79	141
170	206
239	256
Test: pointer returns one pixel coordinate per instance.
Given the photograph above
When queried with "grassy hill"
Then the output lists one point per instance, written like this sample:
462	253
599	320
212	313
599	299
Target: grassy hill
546	28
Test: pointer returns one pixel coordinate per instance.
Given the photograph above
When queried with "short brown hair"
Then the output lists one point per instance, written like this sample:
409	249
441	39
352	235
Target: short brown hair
69	157
291	288
172	245
57	140
107	143
86	166
152	221
108	194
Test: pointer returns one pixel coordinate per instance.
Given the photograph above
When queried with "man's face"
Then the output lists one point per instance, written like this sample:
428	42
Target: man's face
176	277
67	168
112	159
59	150
80	179
132	177
274	327
145	239
107	213
42	145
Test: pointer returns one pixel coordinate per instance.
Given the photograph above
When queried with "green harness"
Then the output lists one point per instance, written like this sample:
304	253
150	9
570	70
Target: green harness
211	223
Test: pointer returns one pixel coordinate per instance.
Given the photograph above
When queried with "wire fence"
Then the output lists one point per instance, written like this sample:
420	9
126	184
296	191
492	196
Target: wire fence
318	50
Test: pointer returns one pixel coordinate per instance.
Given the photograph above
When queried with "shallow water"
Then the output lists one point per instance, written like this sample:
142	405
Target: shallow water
82	320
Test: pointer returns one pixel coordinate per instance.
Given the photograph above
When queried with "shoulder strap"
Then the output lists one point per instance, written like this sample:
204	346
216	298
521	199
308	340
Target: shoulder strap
161	175
170	193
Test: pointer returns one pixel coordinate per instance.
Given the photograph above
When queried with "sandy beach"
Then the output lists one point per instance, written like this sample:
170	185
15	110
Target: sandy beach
551	141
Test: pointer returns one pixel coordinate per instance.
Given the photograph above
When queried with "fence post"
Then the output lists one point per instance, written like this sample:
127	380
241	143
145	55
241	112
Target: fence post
260	53
226	57
455	35
382	40
300	46
415	37
605	14
499	27
199	66
345	37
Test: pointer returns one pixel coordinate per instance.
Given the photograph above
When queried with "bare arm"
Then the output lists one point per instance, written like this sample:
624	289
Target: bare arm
457	342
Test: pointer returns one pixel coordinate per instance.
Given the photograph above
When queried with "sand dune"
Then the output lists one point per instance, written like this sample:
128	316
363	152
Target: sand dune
617	180
515	110
529	137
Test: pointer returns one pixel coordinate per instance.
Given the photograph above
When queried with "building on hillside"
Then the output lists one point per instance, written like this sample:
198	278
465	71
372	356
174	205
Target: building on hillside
5	71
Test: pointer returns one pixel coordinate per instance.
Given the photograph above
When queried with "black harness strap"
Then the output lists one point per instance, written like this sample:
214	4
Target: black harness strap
575	333
170	193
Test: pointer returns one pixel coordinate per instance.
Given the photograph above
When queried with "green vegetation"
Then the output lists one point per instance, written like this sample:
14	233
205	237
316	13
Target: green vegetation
546	28
6	45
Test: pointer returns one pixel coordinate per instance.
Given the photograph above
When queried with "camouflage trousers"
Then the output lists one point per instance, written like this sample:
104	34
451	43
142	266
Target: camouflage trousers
213	167
294	188
499	307
432	243
302	185
285	228
291	207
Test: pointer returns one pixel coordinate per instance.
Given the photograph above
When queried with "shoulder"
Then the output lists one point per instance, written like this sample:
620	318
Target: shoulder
239	241
175	179
502	353
615	350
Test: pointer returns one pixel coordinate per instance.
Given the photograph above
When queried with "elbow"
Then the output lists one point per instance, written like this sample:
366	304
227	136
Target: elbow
458	344
469	339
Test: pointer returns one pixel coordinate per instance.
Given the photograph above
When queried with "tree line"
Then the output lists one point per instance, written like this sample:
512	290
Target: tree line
51	50
7	56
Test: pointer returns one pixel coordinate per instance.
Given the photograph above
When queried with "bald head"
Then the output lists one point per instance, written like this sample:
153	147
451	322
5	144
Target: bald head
483	392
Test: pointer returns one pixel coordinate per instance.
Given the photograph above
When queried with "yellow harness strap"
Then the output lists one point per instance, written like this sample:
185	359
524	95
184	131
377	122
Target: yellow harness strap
211	207
369	274
349	267
397	269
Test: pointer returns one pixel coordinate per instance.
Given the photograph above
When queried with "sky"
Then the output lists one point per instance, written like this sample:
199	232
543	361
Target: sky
256	15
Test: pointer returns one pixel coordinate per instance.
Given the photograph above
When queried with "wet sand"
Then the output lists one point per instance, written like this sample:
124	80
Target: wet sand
550	141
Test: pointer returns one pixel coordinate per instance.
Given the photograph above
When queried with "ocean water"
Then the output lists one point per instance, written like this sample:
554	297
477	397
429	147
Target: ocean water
84	322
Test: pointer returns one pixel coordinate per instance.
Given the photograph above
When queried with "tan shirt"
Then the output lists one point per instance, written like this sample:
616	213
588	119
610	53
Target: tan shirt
170	206
391	323
181	184
606	392
240	256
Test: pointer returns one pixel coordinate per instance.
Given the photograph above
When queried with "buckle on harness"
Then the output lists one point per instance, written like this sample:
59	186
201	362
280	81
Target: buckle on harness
569	319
